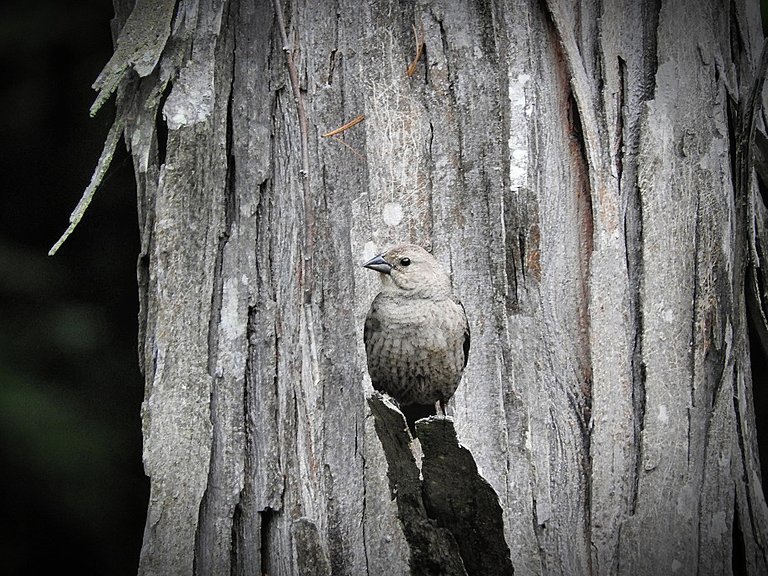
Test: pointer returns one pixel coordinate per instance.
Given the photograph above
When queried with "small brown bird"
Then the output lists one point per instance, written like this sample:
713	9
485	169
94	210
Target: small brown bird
416	332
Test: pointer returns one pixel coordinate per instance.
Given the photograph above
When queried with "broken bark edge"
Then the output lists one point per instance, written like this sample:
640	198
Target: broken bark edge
452	521
309	555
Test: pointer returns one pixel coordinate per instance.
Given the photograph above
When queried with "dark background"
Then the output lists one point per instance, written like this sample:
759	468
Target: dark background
73	494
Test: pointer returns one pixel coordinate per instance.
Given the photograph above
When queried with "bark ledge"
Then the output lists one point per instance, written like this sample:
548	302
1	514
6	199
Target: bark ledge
452	519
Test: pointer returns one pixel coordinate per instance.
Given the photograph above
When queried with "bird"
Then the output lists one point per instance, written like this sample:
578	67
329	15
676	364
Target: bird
416	333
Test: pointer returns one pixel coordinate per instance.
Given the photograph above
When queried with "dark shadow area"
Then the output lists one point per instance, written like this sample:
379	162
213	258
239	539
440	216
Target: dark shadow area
759	366
73	489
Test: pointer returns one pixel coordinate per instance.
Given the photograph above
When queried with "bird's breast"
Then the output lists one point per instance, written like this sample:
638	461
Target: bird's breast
428	321
415	347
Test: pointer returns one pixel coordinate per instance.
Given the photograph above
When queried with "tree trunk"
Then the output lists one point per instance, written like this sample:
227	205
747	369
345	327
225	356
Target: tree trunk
575	165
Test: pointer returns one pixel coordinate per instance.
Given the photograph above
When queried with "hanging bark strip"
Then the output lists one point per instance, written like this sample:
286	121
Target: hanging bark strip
309	213
110	145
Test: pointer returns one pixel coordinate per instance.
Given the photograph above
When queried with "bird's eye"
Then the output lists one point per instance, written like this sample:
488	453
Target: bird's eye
405	261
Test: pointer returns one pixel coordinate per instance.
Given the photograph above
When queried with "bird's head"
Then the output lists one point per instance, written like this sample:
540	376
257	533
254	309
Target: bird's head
410	270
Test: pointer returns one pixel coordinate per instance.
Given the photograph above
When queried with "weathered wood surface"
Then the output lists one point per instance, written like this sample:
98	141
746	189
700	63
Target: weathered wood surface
570	162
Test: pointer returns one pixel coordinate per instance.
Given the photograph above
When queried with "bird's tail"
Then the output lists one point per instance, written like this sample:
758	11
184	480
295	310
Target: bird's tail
413	412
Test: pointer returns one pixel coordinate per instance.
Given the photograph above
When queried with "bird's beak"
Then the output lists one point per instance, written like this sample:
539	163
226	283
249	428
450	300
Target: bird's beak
379	264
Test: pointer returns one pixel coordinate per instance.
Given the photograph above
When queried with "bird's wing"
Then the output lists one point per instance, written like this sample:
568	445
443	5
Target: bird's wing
367	329
371	323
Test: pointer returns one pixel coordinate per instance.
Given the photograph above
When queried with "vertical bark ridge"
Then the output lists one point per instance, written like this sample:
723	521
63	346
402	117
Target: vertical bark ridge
298	97
227	353
637	69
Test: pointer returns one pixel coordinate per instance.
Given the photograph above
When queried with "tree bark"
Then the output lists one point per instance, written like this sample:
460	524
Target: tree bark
574	164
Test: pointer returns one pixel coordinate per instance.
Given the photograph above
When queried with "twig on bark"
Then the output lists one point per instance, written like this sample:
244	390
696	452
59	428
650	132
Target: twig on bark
334	134
309	212
419	36
356	120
